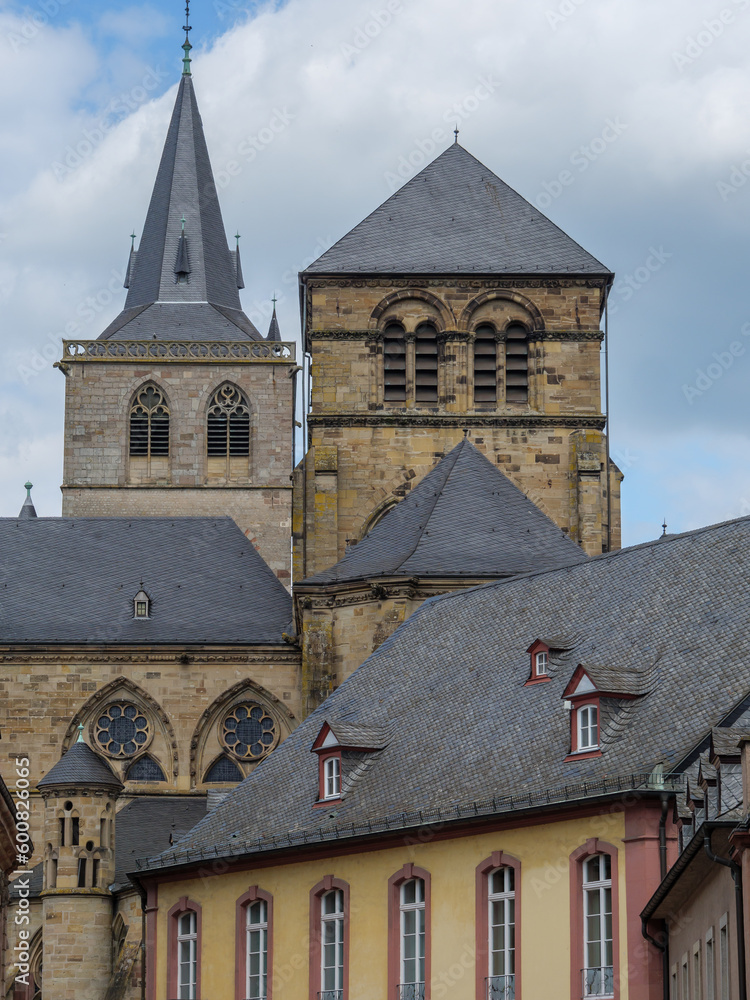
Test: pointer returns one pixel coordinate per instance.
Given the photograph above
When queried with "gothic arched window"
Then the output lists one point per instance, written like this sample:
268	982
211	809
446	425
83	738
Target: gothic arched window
485	366
426	365
149	422
516	364
394	364
228	428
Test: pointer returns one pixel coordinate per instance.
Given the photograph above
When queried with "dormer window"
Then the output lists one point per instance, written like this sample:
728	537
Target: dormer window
332	777
539	653
141	605
342	752
587	728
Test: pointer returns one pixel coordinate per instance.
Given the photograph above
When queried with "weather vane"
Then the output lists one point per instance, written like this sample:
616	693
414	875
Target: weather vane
455	132
187	46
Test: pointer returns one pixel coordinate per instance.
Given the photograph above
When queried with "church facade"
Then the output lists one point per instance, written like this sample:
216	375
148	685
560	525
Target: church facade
455	342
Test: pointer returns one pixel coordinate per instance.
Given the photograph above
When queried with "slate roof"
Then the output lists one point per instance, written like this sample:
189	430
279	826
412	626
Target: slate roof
618	681
80	766
73	580
353	735
456	216
27	508
207	306
274	333
469	735
725	742
465	518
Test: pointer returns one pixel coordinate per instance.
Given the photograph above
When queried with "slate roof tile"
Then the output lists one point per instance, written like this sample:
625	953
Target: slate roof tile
456	216
450	682
73	580
464	518
80	765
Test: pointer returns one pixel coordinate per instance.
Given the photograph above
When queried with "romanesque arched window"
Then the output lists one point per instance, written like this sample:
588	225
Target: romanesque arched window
516	364
394	364
149	422
426	364
485	366
228	425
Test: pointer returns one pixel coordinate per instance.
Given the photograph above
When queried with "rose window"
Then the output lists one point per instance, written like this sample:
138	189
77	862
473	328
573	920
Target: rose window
249	732
122	730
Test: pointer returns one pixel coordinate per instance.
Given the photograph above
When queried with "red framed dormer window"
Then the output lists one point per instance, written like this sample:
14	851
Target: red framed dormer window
539	668
328	749
582	698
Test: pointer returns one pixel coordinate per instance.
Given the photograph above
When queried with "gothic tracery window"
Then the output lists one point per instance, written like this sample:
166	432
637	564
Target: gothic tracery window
149	423
228	423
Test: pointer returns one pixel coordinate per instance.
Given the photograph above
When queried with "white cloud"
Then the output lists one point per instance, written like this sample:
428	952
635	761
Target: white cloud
357	98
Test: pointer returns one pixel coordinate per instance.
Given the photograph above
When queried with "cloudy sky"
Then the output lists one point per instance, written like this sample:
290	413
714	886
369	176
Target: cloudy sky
626	121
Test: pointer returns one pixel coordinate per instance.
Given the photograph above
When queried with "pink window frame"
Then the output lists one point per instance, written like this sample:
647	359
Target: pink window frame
183	905
498	859
409	871
577	858
316	893
252	895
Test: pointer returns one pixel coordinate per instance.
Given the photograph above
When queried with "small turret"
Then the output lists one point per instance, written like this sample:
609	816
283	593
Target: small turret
80	793
274	333
28	509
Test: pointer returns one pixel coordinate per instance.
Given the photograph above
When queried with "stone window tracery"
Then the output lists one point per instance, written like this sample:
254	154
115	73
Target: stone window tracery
248	731
122	729
228	424
149	423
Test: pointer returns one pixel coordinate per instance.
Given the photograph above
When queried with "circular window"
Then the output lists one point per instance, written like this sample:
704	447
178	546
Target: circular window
249	732
122	730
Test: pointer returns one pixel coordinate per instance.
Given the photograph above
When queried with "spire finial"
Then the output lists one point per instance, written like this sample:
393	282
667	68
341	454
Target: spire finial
183	222
28	487
455	132
132	240
237	237
80	733
274	300
186	60
664	528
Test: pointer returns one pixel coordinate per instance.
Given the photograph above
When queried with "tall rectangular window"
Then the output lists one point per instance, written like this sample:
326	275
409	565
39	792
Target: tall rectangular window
394	364
724	959
516	364
501	899
710	966
588	728
697	978
187	955
685	978
426	364
257	950
485	366
332	945
598	974
412	922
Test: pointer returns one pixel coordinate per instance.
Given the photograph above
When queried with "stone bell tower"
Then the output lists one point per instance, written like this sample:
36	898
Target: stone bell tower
79	795
181	407
454	305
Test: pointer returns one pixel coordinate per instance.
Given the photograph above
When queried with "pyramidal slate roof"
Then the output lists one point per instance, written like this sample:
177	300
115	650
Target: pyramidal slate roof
274	333
457	216
74	580
469	737
465	518
207	305
80	766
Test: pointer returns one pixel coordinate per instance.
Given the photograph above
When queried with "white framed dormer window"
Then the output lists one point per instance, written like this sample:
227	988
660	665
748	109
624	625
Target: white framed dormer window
141	605
540	663
587	728
332	777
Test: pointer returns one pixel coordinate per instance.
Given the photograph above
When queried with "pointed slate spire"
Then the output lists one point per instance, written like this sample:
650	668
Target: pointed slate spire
131	262
273	330
28	509
160	304
238	263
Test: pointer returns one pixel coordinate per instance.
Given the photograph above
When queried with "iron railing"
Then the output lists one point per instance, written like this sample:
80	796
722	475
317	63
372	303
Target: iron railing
411	991
423	818
501	988
331	995
599	982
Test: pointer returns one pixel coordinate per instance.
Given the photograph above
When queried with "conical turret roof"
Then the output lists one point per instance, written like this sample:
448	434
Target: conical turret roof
274	333
465	518
80	766
456	217
183	280
27	508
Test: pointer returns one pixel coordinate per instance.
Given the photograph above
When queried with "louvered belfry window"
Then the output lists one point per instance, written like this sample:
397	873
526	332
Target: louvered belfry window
516	364
426	365
228	424
485	366
149	423
394	364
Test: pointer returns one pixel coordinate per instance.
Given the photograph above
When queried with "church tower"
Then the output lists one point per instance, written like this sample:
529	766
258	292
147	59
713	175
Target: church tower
181	407
454	305
79	793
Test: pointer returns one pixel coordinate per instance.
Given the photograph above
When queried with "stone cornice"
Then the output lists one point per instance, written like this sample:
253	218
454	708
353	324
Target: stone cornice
178	351
347	592
375	336
417	419
33	653
467	281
